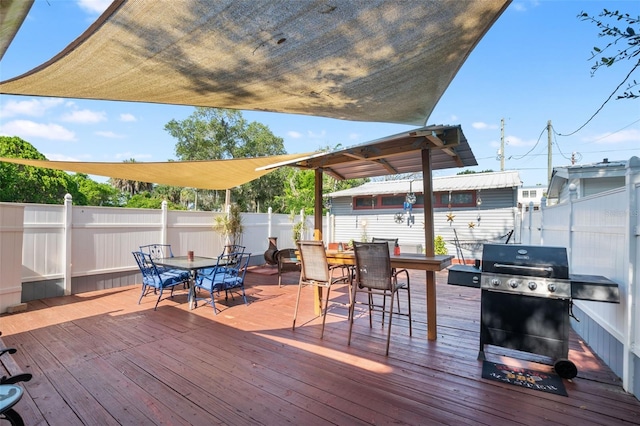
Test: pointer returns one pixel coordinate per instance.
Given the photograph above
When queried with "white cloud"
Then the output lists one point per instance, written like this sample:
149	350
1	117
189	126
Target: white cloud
516	141
320	135
85	116
482	126
62	157
628	135
128	117
27	129
521	6
32	108
512	141
293	134
354	136
109	134
94	6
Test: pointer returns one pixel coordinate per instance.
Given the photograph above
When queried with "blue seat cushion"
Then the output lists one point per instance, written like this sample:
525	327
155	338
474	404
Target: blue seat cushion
166	279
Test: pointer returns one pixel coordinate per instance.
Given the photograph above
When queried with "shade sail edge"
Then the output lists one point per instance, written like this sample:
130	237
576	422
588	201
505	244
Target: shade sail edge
213	174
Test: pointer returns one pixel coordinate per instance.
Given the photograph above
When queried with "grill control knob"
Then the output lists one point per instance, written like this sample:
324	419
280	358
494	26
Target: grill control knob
513	283
551	288
495	282
532	285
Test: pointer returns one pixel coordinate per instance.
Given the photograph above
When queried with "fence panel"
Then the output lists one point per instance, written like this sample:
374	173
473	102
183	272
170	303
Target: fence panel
598	247
42	244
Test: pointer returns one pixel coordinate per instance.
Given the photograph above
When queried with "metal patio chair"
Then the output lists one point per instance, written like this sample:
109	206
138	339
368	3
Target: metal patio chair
235	253
391	241
152	278
317	272
375	277
287	259
158	251
228	276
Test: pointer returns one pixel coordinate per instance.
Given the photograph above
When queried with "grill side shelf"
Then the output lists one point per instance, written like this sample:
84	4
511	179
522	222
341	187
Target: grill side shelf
464	275
594	287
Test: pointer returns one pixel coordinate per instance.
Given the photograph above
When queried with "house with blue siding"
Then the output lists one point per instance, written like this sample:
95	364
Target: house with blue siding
469	210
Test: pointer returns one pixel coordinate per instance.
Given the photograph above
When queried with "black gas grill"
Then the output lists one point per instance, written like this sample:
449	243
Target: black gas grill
526	299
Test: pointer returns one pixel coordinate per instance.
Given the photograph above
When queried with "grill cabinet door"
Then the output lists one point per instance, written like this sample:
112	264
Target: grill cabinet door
531	324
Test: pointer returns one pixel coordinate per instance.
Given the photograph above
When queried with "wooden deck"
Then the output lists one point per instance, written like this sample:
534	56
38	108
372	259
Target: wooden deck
100	359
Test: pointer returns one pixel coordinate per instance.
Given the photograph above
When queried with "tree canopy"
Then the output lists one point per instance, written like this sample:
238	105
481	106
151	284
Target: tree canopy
27	184
219	134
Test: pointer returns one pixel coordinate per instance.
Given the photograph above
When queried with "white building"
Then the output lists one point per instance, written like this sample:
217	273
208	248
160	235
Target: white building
468	210
530	194
589	179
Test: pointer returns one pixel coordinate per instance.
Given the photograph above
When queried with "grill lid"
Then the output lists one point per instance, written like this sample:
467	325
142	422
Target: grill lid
535	261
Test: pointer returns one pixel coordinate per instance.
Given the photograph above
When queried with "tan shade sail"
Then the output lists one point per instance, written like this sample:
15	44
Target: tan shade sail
215	174
12	14
374	60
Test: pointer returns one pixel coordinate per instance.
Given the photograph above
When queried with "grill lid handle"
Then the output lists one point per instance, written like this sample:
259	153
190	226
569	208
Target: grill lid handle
546	269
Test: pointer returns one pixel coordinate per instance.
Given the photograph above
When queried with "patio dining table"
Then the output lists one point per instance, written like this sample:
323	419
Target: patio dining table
191	265
408	261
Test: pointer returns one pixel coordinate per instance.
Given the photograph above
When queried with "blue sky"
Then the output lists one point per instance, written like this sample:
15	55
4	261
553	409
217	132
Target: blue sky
532	66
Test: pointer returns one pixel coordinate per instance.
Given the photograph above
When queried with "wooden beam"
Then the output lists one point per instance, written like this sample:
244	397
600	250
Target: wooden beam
444	146
381	161
333	173
383	150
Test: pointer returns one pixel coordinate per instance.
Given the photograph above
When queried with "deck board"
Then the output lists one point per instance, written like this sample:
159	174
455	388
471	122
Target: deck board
99	358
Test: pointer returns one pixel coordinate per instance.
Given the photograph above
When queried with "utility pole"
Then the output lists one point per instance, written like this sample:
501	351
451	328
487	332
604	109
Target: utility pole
502	145
549	151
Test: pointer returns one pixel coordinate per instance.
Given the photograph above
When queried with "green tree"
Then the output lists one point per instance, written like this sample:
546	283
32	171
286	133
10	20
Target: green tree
95	193
27	184
173	194
145	200
130	187
299	190
626	40
218	134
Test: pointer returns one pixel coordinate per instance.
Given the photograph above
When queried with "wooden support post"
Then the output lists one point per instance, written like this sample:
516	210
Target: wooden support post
427	191
317	231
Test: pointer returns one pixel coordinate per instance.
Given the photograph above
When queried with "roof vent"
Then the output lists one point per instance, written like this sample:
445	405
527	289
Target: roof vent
605	161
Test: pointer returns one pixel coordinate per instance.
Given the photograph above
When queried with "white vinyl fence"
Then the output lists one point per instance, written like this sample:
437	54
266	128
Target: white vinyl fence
50	250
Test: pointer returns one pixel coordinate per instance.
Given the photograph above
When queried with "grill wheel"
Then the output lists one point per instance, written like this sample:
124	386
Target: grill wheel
565	368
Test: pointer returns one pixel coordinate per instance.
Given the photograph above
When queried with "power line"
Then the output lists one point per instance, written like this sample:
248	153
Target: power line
555	142
612	133
534	146
605	102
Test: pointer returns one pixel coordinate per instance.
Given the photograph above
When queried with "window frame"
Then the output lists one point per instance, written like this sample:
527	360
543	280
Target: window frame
438	204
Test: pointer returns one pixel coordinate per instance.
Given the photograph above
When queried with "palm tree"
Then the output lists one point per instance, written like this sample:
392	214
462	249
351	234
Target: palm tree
131	187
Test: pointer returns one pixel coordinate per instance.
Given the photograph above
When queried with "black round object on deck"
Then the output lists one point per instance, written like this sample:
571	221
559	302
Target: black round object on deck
565	368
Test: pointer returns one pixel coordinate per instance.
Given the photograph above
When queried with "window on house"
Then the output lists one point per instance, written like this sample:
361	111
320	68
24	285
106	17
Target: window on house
456	199
533	194
364	203
397	201
391	201
525	194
